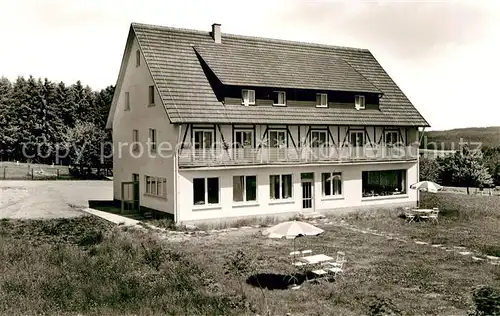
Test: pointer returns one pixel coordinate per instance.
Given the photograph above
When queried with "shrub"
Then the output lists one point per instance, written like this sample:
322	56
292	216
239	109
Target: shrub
382	306
487	301
90	238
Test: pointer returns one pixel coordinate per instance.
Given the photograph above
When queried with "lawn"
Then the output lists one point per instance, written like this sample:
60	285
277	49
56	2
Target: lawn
83	265
464	220
25	171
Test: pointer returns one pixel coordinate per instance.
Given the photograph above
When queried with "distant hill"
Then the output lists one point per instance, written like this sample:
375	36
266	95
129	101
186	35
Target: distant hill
488	136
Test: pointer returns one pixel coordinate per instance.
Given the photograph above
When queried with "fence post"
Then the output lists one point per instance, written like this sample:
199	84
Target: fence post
57	173
4	172
32	174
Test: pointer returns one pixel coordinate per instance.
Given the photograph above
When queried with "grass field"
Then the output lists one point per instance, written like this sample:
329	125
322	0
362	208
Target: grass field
24	171
84	266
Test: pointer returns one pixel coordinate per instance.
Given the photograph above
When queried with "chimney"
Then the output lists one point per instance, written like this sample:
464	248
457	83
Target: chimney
216	33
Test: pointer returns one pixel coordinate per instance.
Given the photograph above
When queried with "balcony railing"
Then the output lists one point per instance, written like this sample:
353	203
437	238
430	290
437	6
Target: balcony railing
189	157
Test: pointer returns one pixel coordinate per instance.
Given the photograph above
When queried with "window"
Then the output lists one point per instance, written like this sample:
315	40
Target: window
332	183
391	137
137	58
152	139
243	138
359	102
280	186
277	139
247	97
319	138
357	138
151	96
203	139
386	182
135	140
205	191
127	101
321	100
244	188
279	98
156	186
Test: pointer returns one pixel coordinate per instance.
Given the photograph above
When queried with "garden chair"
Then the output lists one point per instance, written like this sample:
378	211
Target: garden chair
433	216
337	266
409	215
319	275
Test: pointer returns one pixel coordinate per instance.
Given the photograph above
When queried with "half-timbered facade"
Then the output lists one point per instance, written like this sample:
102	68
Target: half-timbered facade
213	126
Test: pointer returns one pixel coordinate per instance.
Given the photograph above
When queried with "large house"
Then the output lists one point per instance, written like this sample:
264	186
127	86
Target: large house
211	126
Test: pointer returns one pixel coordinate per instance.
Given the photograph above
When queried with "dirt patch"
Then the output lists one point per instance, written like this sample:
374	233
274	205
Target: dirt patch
50	199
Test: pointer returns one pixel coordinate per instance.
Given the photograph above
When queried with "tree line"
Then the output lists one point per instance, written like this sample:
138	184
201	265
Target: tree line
465	168
40	118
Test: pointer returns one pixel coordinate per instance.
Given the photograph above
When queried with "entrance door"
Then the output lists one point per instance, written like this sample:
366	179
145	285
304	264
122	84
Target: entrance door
307	198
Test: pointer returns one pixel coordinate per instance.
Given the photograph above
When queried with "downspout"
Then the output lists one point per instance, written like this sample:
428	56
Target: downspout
176	168
418	164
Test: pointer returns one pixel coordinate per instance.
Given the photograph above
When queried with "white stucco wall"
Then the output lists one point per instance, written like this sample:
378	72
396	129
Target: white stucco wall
351	198
142	117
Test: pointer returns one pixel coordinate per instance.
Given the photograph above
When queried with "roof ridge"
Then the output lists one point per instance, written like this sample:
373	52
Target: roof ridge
250	37
170	28
284	41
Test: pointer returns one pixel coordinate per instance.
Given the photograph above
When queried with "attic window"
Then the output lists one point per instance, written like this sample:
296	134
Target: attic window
359	102
127	101
247	97
151	96
321	100
279	98
137	58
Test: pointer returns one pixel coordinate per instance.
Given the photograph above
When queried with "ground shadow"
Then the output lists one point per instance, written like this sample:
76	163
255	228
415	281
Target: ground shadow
114	207
272	281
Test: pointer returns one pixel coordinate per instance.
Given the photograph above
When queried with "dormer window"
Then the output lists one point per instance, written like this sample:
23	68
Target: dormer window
359	102
247	97
279	98
321	100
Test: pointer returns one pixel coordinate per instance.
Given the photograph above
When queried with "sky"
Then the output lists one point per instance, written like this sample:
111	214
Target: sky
444	55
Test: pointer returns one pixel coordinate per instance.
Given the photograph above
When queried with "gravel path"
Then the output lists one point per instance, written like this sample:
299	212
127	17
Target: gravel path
50	199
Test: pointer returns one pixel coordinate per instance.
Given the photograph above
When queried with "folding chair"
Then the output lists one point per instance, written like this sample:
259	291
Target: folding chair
319	275
409	215
434	215
337	266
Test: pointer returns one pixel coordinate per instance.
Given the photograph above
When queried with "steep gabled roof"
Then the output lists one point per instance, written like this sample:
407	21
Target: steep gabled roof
188	97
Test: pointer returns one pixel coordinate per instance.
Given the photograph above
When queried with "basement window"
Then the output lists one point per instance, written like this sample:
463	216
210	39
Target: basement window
279	98
321	100
247	97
